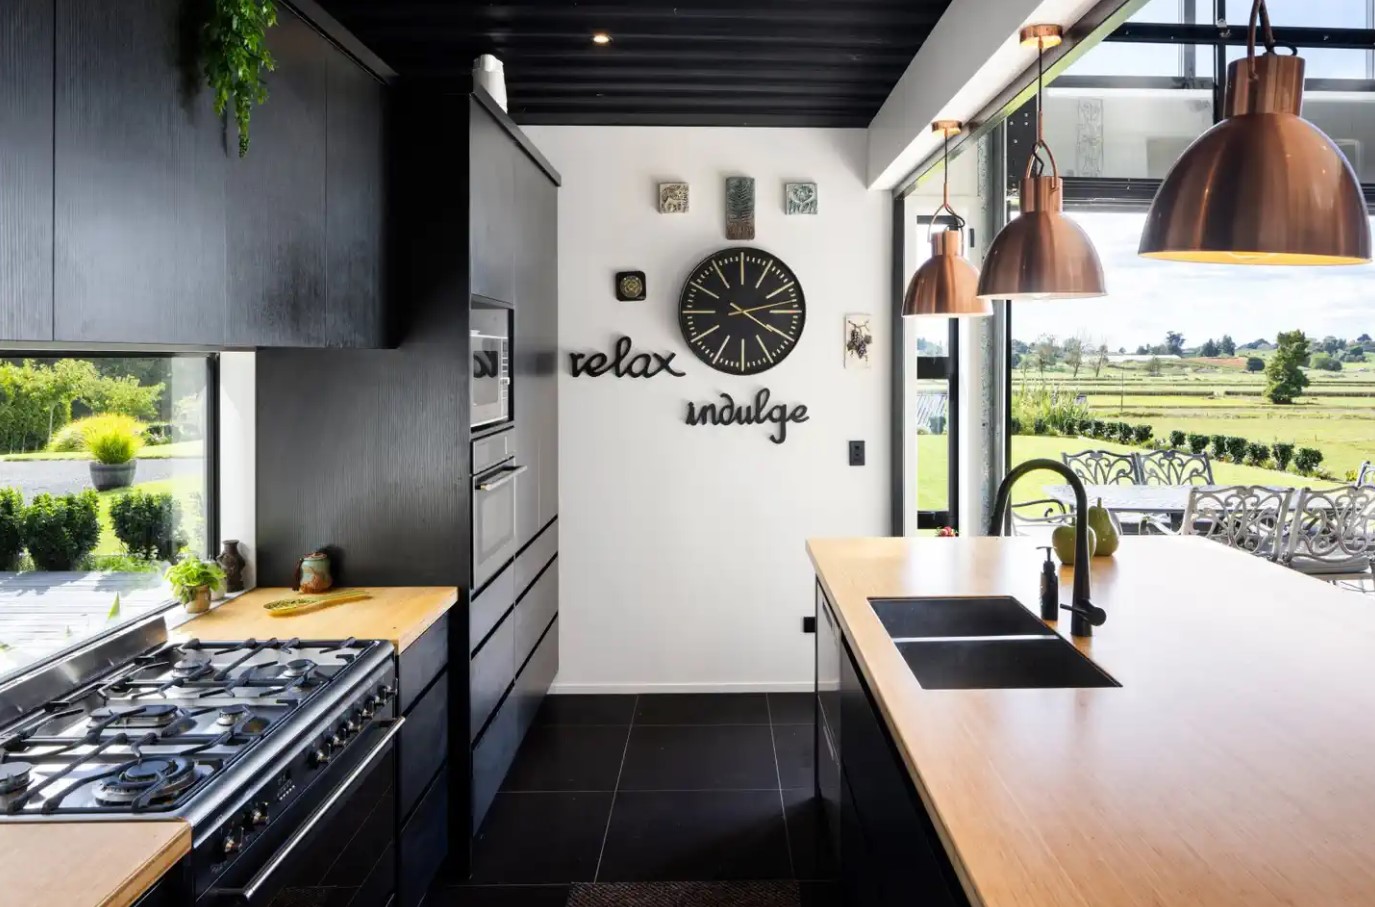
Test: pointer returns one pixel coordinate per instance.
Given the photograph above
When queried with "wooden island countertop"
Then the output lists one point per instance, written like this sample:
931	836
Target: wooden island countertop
1234	766
399	614
86	864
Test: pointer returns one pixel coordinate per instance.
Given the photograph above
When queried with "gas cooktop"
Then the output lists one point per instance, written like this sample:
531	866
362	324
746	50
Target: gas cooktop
153	732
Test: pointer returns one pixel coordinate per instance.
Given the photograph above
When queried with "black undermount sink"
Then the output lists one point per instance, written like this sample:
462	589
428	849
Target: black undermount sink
983	643
923	618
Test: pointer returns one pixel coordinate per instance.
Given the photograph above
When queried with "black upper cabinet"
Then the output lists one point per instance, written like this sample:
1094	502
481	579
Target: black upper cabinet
26	192
494	238
139	179
355	215
276	200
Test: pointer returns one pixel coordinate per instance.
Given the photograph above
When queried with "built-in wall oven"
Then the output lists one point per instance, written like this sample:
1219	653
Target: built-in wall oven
489	339
496	490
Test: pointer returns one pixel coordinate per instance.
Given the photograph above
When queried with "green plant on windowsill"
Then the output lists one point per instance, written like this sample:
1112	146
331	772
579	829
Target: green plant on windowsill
192	580
234	56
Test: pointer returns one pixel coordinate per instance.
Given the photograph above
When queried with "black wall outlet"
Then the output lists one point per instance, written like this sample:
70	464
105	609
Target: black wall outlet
856	453
809	625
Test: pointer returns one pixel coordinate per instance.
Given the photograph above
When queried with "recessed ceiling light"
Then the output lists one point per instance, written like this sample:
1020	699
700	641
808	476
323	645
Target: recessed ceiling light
601	37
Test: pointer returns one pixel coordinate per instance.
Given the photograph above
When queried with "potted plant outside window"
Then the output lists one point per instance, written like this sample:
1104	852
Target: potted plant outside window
112	447
192	580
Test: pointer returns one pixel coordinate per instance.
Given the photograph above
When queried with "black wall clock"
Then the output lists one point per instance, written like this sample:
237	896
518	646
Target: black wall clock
742	311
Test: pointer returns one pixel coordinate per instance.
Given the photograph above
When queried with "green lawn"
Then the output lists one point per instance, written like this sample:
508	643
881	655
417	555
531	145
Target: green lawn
178	450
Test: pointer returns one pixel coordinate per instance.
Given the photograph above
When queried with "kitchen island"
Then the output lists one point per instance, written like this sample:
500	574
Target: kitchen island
87	864
1231	767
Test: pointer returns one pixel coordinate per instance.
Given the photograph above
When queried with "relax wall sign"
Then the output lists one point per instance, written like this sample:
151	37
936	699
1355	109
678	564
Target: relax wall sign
623	365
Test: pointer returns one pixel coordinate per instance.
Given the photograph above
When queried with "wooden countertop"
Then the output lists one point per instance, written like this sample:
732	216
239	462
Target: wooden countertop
86	864
396	613
1235	765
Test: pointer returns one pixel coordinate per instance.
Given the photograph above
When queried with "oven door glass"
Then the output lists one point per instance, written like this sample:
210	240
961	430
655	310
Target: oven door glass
494	520
490	380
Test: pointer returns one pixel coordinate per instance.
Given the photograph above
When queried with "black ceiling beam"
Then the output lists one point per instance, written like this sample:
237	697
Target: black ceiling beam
1235	35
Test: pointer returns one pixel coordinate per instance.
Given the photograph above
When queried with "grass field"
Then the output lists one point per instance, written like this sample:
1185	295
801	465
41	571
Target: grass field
157	452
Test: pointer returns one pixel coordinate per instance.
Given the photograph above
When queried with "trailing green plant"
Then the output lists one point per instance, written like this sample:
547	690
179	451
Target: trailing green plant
1306	460
11	528
112	444
191	573
61	531
147	524
234	55
1198	443
1257	454
71	438
1177	439
1219	447
1141	434
1236	448
1284	453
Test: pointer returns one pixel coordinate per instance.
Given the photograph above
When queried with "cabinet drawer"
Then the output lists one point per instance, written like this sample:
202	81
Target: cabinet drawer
533	682
489	606
534	612
490	674
424	844
422	662
539	552
492	756
424	743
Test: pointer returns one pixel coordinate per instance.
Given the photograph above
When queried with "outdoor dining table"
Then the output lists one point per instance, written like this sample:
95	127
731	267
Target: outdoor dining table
1168	500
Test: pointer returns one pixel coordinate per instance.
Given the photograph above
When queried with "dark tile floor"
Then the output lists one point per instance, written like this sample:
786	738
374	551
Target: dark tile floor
676	787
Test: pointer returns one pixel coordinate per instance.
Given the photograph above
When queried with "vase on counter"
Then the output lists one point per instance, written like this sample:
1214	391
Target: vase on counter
232	560
313	574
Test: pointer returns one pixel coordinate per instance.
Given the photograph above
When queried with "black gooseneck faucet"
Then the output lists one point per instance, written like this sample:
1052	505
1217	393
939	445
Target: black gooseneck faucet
1084	614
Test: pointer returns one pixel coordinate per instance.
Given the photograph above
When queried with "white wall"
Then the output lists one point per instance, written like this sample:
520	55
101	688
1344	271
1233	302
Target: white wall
683	566
237	451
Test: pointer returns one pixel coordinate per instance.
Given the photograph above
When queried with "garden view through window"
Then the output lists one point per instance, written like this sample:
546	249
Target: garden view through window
1269	371
103	482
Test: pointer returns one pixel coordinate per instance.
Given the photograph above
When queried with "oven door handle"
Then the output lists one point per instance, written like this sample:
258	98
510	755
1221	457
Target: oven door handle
248	892
509	474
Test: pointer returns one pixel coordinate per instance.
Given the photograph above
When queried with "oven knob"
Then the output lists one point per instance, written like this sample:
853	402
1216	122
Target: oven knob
369	708
385	693
258	815
353	724
336	740
233	840
319	757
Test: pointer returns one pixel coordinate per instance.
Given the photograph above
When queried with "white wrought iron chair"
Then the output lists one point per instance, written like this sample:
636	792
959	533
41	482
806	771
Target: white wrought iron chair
1367	474
1173	467
1332	535
1036	518
1104	467
1251	518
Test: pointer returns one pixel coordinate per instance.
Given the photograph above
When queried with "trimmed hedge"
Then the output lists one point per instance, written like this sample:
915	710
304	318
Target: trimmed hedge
61	531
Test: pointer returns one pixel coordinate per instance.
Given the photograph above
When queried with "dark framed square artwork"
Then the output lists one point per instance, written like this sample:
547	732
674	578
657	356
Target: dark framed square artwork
630	286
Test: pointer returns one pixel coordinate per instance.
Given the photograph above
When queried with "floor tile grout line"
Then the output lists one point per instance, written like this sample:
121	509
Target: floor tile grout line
606	833
782	804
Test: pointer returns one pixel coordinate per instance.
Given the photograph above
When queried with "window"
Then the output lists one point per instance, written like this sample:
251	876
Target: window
104	477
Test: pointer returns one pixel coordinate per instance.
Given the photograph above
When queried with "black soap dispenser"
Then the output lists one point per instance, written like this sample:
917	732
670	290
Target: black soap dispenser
1050	587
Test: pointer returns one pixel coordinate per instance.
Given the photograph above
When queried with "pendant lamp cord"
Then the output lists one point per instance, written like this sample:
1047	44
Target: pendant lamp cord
956	222
1261	13
1034	165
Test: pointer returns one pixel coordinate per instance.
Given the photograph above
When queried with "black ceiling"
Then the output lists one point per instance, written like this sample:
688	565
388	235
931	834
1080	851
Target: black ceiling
693	62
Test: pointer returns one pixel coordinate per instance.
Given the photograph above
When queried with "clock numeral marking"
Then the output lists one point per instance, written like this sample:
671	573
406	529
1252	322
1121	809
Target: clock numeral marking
703	334
724	282
742	353
784	311
699	311
742	269
705	290
767	267
779	290
763	347
721	350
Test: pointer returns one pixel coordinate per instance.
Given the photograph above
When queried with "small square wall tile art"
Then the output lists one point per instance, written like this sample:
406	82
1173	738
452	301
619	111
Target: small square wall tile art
799	198
673	198
739	207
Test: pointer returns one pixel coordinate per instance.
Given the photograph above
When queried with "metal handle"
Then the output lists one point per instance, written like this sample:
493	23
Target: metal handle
510	474
1091	613
255	884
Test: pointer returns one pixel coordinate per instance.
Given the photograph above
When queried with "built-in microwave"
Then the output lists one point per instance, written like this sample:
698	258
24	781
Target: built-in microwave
490	349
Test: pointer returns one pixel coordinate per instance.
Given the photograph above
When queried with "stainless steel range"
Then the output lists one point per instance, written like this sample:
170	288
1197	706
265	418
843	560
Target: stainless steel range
278	752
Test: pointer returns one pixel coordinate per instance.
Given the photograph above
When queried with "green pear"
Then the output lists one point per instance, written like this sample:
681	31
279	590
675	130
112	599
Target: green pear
1063	541
1108	530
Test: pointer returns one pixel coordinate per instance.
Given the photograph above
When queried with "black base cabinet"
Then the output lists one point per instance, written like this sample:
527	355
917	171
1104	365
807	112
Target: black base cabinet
889	851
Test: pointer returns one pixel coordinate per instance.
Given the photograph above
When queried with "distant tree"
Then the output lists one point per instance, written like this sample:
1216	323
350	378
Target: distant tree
1355	354
1326	362
1364	338
1209	350
1332	345
1284	375
1074	354
1255	364
1101	359
1174	343
1143	350
1153	367
1021	346
1227	346
1047	353
1122	350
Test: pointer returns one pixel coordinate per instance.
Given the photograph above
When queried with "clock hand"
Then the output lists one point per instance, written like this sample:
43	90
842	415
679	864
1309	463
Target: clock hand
767	305
762	324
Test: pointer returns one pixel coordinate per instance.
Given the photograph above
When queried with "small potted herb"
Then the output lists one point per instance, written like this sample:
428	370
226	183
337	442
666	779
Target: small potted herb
192	581
113	447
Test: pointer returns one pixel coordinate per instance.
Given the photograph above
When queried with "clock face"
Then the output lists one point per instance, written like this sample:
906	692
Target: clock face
742	311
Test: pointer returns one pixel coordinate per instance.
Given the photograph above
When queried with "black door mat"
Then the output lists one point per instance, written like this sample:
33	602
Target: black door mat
686	894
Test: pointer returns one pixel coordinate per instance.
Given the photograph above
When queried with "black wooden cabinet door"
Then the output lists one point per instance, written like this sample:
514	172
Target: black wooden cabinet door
355	216
543	260
528	344
493	241
139	178
26	159
276	200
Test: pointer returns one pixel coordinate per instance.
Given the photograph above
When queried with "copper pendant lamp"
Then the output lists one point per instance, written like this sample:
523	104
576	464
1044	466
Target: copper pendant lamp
946	283
1041	254
1264	186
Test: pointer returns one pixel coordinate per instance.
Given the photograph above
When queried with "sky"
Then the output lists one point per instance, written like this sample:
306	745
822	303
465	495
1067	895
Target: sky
1147	298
